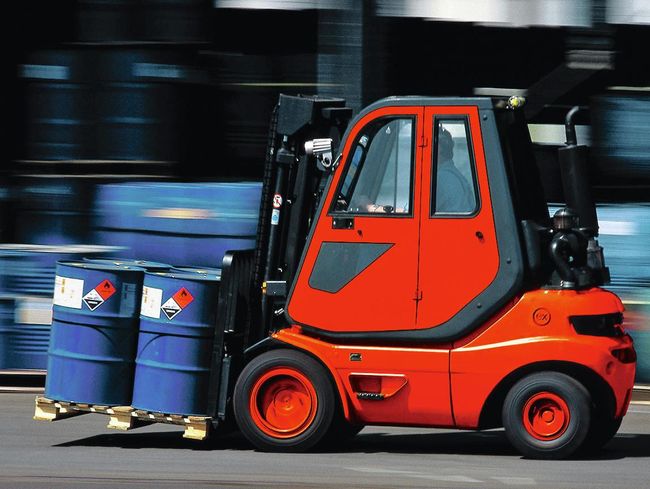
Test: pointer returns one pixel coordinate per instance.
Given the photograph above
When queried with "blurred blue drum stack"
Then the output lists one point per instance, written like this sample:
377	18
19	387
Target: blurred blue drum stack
58	114
177	327
94	333
621	121
625	237
180	223
52	211
138	103
6	331
26	286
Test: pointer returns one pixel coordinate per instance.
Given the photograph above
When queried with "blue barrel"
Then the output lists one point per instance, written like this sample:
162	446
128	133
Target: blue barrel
642	346
53	211
94	333
24	332
138	102
31	333
189	223
30	269
6	332
58	117
620	121
177	324
113	21
149	266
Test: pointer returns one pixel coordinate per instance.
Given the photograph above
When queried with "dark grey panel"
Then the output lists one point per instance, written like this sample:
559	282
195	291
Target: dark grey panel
338	263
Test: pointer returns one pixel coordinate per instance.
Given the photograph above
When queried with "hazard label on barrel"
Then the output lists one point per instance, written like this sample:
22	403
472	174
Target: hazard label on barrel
100	294
177	303
105	289
171	308
183	297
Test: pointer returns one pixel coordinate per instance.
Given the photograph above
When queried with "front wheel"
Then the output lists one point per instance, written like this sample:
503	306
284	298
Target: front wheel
547	415
284	401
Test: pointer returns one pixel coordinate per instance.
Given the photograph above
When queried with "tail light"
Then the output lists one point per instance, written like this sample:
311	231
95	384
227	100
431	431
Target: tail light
599	324
625	355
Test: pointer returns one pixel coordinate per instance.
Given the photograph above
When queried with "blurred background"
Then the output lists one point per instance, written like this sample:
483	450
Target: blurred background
138	128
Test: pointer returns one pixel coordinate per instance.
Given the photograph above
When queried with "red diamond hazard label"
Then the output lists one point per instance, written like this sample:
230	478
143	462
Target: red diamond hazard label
183	297
171	308
105	289
97	296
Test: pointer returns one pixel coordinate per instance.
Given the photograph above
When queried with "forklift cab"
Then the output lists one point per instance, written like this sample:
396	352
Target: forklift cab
416	238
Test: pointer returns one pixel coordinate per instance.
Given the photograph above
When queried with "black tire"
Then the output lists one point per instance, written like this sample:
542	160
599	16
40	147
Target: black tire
547	415
284	401
602	430
347	430
341	431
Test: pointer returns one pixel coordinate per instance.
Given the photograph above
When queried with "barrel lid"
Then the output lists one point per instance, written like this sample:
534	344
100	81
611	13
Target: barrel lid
197	270
87	265
196	277
151	266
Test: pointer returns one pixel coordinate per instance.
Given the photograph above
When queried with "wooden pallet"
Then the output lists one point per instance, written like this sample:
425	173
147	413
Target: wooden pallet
122	417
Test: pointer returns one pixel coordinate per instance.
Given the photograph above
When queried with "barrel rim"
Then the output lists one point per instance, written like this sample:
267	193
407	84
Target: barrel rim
196	277
87	265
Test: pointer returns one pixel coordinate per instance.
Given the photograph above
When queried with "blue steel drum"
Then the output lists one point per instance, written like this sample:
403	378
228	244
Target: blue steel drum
149	266
192	224
138	103
58	118
619	123
53	211
94	333
177	324
642	345
6	332
31	333
29	269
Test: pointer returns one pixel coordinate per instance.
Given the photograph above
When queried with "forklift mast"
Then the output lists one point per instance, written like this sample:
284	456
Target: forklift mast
291	191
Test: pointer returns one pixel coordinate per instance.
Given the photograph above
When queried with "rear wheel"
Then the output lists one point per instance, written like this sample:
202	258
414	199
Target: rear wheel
547	415
602	430
284	401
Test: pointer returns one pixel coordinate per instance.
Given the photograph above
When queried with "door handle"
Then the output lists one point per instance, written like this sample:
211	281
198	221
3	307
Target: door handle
343	223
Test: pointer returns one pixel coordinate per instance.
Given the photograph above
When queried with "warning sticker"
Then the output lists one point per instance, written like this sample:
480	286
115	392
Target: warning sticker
183	297
68	292
105	289
93	300
277	201
100	294
275	217
171	308
151	302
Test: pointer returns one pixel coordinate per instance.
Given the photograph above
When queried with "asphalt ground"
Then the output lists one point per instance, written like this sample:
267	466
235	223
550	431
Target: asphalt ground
81	453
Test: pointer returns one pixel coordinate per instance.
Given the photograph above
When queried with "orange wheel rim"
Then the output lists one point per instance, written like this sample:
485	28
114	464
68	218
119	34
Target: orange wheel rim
283	402
546	416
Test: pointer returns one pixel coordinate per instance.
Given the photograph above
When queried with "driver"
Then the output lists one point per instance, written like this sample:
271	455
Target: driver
453	193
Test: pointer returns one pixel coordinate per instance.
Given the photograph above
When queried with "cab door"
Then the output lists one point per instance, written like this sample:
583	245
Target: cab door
459	256
359	273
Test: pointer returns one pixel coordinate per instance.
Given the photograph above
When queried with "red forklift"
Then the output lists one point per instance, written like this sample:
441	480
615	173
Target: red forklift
407	273
415	278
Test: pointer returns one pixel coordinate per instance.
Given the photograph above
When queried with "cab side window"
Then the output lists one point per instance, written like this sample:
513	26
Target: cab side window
379	173
454	189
